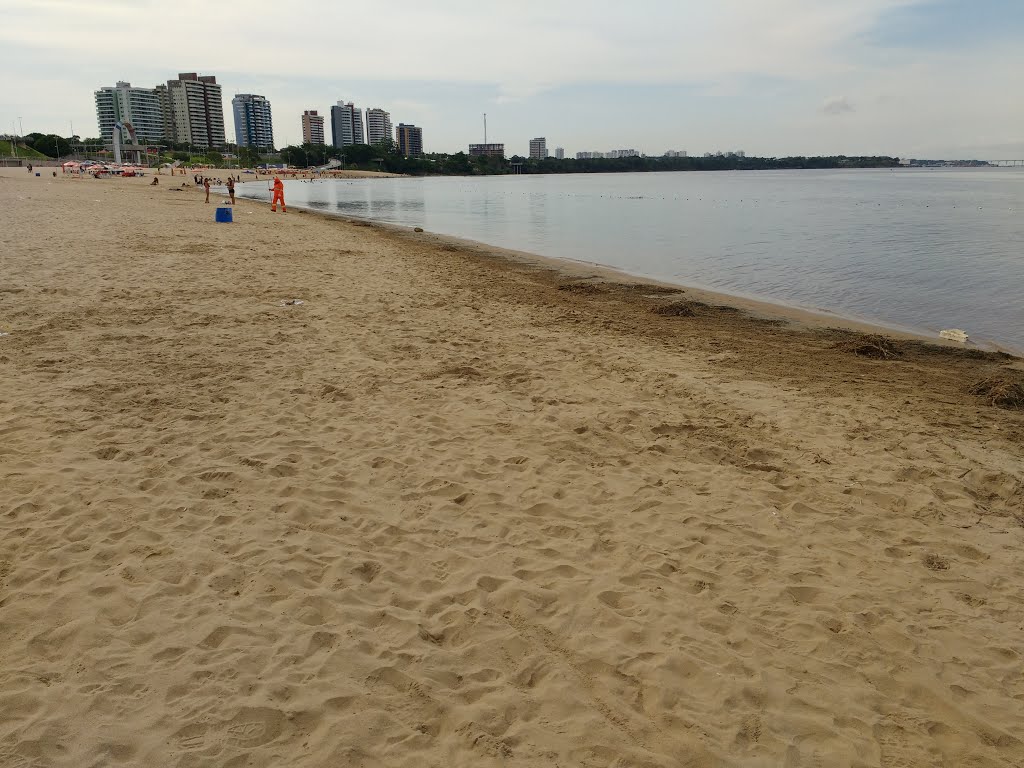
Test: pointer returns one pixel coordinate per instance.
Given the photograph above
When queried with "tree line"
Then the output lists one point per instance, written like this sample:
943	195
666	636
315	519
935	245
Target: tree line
385	156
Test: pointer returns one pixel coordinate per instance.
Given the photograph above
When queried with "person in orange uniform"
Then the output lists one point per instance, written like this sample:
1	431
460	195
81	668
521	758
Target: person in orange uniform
278	196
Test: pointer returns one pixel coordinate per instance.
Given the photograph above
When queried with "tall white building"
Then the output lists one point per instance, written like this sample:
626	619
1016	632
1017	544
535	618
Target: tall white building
347	125
122	103
196	109
253	124
378	126
559	153
538	148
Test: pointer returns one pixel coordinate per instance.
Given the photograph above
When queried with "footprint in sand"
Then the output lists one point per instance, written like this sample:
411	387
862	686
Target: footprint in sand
248	729
10	759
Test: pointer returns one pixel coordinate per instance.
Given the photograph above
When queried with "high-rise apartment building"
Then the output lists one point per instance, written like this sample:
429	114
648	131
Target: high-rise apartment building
197	110
538	148
559	153
122	103
165	111
410	139
253	122
378	126
346	125
312	127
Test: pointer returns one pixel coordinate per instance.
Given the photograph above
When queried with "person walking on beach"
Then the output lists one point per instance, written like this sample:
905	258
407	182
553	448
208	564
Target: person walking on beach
206	186
278	196
231	189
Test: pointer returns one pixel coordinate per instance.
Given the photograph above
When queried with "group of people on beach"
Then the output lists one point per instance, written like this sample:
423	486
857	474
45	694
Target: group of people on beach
201	180
205	181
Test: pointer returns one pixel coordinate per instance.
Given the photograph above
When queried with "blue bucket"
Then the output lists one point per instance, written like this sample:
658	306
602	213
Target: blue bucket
224	215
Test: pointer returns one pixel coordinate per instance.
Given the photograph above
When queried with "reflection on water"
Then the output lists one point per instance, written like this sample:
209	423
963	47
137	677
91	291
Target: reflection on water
917	249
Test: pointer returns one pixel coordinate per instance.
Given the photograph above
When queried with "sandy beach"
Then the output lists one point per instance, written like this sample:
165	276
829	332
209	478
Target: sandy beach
456	509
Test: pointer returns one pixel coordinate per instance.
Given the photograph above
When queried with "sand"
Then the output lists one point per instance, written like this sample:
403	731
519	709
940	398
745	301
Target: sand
456	510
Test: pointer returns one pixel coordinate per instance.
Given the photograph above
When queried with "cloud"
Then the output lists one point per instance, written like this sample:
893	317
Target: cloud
686	74
837	106
460	41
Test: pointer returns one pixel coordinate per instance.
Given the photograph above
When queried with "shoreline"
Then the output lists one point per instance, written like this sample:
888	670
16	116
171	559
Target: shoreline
767	308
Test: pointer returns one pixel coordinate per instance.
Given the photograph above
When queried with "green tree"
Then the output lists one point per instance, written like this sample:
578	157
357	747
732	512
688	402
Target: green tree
49	144
386	146
359	154
249	156
295	156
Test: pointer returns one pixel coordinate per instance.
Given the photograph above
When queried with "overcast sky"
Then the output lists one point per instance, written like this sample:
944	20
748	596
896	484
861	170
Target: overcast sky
912	78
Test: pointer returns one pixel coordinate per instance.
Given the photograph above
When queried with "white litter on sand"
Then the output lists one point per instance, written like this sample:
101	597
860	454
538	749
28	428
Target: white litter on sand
292	302
954	334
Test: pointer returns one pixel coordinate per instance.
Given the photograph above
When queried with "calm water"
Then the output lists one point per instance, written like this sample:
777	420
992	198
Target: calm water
921	250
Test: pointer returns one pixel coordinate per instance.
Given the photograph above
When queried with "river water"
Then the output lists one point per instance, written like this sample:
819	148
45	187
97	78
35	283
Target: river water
919	250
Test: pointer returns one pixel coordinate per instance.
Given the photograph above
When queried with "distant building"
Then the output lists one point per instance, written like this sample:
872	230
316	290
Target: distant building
253	124
312	127
378	126
166	112
196	109
589	155
410	140
675	153
347	125
559	153
538	148
487	150
622	153
142	107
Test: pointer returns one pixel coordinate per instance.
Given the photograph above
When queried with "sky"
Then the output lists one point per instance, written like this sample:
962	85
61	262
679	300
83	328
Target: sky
906	78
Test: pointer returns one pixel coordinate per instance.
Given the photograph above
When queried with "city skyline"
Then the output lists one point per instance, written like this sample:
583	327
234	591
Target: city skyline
253	124
912	78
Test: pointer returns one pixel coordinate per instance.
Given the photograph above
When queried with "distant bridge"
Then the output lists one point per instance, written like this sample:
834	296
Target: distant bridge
1007	163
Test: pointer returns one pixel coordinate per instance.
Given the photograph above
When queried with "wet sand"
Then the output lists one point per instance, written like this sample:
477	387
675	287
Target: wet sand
457	509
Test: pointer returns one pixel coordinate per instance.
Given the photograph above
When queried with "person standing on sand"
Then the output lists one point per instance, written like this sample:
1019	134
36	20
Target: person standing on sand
206	186
231	189
278	196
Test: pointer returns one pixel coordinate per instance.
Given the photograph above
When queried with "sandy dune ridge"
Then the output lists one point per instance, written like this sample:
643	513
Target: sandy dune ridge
446	514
